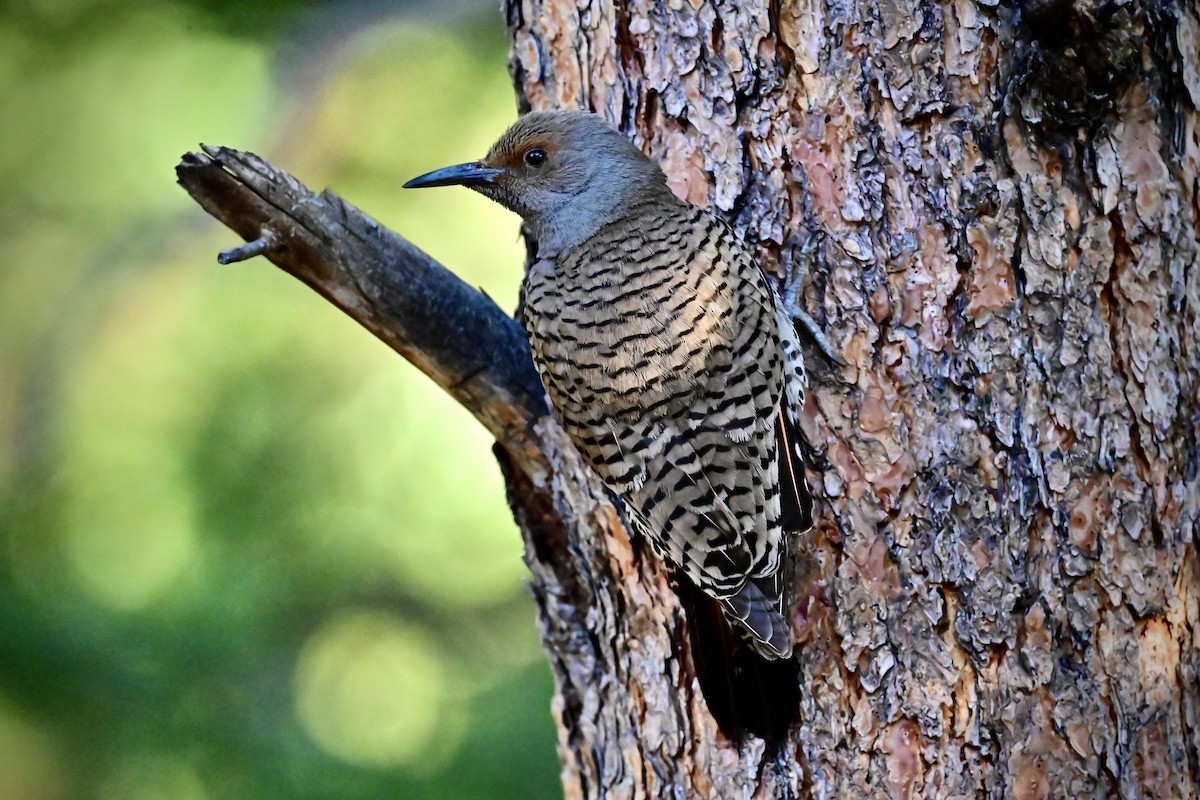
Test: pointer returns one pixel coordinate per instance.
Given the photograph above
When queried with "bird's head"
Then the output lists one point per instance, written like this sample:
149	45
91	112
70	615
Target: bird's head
567	173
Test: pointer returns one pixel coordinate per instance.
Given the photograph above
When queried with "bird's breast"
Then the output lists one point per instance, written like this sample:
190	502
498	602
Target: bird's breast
622	334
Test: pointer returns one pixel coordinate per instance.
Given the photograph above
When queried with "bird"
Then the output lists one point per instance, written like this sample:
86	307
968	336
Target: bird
675	368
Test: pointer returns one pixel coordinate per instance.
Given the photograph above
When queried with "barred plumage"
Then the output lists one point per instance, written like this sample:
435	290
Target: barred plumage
661	348
672	364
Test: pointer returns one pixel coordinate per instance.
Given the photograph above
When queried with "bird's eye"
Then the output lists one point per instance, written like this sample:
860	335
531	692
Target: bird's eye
535	157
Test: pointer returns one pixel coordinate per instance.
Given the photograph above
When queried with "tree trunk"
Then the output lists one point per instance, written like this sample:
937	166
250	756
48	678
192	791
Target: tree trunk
1001	596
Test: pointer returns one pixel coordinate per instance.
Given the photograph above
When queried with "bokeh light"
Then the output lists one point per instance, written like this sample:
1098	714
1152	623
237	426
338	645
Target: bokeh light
369	690
29	764
246	550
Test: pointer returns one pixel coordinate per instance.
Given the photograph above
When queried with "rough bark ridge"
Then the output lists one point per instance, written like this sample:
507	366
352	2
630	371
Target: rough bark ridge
1001	595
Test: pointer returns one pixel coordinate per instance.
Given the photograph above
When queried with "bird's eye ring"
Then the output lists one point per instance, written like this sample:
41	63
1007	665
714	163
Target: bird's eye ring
535	157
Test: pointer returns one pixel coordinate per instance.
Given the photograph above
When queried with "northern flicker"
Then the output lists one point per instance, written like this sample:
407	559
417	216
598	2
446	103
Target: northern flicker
674	368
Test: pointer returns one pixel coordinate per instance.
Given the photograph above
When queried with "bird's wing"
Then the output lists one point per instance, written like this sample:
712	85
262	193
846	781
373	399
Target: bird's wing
707	508
721	486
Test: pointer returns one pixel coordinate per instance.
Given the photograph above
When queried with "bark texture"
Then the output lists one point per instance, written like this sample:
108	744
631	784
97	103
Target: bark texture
1001	597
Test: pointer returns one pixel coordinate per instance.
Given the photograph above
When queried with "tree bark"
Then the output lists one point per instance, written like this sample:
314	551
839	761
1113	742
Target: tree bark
1001	596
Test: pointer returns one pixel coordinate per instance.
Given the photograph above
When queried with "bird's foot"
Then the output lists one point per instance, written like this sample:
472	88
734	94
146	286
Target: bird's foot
793	286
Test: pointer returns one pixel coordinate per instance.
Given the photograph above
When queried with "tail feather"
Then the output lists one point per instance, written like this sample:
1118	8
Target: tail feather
745	692
757	607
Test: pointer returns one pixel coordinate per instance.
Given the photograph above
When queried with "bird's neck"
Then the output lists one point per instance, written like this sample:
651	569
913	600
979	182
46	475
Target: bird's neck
580	217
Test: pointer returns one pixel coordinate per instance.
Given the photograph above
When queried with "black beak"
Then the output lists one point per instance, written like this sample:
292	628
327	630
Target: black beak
473	174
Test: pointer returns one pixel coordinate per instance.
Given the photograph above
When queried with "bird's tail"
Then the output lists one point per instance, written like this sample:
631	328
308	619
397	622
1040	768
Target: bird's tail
758	608
746	693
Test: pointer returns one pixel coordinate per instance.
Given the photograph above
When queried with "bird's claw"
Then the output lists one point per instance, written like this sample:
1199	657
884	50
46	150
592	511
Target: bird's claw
792	287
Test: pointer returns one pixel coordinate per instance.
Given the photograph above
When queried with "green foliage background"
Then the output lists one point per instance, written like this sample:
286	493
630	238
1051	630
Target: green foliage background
245	550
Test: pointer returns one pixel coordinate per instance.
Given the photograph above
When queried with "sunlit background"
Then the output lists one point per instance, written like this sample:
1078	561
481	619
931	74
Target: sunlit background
245	550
